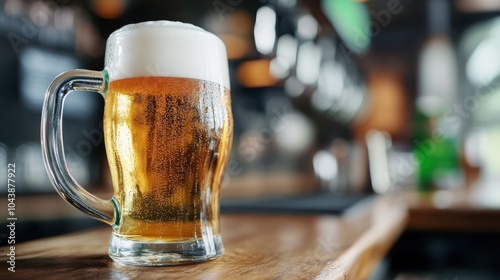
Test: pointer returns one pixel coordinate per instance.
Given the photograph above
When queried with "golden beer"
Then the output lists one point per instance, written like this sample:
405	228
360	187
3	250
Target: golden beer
168	141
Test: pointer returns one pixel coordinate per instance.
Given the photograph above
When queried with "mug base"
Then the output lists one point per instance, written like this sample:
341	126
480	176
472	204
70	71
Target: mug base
132	252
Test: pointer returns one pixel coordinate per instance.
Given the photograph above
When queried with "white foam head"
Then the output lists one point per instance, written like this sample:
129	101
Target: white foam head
168	49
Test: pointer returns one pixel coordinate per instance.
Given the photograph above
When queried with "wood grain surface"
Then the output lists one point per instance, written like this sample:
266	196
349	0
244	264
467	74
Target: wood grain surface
257	247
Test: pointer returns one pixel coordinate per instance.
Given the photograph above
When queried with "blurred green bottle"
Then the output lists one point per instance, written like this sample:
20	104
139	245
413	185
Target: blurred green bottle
435	142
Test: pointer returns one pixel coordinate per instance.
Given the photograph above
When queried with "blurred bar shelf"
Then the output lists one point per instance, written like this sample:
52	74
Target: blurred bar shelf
473	210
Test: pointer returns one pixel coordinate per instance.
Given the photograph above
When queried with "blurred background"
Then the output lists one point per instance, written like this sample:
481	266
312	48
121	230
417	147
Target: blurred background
333	100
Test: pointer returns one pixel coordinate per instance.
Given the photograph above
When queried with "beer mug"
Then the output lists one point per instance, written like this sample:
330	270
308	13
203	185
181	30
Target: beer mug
168	131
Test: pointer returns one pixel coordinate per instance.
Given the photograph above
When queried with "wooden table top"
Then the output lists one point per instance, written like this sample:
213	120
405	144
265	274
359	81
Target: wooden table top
257	247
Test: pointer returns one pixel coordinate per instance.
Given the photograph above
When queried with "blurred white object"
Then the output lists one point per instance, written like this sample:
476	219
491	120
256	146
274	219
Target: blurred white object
341	168
296	134
378	144
325	168
390	168
265	30
437	63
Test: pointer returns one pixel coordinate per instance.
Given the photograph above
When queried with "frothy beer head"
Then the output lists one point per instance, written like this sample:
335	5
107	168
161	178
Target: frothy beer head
166	49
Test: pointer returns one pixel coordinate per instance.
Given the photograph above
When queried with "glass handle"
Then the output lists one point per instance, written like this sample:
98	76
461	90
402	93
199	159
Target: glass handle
53	148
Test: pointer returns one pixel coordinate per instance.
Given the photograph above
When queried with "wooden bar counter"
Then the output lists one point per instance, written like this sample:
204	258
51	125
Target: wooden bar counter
265	246
257	247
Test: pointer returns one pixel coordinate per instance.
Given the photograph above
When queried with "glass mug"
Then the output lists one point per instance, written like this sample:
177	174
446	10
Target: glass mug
168	131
